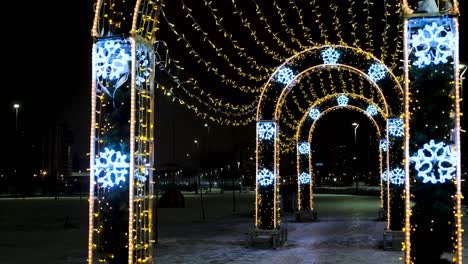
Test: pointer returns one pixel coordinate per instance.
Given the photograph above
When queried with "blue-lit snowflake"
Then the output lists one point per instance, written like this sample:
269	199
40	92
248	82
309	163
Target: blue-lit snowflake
285	75
377	72
141	174
111	60
395	127
144	68
330	56
265	177
304	178
383	145
433	44
303	148
385	176
435	162
266	130
314	113
397	176
371	110
111	168
342	100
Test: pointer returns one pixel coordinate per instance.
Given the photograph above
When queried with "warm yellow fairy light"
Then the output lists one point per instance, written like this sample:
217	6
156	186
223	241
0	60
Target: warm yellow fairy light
91	165
407	229
459	194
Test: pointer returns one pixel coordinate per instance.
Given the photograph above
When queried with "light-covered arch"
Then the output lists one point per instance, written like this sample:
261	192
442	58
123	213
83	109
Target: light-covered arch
303	137
274	92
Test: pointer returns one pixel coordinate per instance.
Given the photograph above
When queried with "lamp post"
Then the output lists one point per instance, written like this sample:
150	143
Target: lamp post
16	107
355	125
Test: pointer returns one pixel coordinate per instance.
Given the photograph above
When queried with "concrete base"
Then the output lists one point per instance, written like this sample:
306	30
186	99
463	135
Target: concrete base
392	240
306	216
267	239
382	216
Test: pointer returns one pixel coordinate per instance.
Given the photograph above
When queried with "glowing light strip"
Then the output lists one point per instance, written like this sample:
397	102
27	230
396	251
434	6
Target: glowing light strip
387	169
92	157
135	17
132	153
407	141
319	49
457	142
94	31
277	179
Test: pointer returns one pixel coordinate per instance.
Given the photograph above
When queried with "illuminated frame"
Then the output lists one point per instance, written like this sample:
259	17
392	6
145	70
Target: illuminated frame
134	76
409	19
355	102
274	93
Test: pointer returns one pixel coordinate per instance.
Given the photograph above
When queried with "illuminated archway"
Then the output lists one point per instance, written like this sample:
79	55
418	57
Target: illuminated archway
273	95
303	135
121	142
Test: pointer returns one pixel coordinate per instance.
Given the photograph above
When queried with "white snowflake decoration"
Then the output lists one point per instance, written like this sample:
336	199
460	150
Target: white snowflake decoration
141	174
432	44
111	60
265	177
371	110
383	145
377	72
435	162
110	168
314	113
397	176
395	127
330	56
304	178
266	130
342	100
144	67
303	148
285	75
385	176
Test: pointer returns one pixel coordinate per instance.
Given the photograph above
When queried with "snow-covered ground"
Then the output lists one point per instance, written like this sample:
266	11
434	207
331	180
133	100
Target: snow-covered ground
32	231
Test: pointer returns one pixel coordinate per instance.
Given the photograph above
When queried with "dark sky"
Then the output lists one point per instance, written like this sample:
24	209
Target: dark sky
47	70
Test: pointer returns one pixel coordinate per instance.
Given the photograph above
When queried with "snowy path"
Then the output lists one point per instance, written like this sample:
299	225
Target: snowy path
32	231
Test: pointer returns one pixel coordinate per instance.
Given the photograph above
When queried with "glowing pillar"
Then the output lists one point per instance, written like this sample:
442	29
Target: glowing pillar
432	138
121	159
267	179
304	180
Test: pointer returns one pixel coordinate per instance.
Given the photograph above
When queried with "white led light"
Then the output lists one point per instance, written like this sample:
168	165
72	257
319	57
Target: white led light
303	148
266	130
377	72
285	75
265	177
314	113
435	163
110	168
304	178
371	110
342	100
330	56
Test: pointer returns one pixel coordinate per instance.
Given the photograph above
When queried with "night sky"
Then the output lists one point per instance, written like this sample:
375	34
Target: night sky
47	70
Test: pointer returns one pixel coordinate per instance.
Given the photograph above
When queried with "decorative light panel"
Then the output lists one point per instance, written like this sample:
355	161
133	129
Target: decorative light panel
330	56
314	113
111	168
377	72
342	100
285	75
266	130
435	162
303	148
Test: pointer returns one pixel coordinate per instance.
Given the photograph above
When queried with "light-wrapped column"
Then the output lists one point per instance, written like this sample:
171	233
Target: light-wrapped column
266	205
304	180
396	173
384	174
121	160
432	111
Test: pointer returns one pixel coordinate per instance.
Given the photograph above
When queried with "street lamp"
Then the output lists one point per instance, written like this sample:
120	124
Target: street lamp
16	107
355	125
